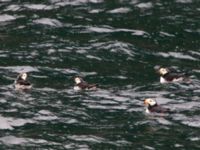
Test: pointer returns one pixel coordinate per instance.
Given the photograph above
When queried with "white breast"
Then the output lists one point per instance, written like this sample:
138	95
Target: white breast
162	80
77	88
147	111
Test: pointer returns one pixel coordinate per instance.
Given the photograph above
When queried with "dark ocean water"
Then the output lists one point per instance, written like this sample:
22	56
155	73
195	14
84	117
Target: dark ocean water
114	43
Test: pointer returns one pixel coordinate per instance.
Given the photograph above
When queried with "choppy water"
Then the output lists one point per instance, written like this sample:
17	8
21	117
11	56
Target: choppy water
115	43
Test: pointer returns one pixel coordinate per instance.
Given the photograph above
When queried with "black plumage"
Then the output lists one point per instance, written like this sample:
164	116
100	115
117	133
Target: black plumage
80	84
85	85
153	107
158	109
166	76
22	83
173	76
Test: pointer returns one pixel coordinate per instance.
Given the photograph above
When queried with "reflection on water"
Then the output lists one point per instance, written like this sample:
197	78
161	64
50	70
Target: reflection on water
115	44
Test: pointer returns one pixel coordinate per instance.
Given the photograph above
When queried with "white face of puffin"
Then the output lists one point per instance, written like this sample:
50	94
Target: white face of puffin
163	71
77	80
150	102
24	76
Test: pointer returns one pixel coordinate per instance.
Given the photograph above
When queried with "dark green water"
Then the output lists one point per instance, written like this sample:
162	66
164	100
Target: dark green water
115	43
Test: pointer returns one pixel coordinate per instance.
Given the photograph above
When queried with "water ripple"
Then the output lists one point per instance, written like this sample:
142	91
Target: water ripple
74	2
176	55
184	1
38	6
119	10
49	22
20	69
147	5
10	123
5	17
110	29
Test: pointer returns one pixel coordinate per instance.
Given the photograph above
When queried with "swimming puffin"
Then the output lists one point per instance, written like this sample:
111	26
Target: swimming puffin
22	83
80	84
166	76
153	107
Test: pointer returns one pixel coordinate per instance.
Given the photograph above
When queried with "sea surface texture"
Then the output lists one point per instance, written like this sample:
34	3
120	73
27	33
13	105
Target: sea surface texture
116	44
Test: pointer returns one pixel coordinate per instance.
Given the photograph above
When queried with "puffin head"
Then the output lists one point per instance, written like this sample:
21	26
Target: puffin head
150	102
23	76
163	71
78	80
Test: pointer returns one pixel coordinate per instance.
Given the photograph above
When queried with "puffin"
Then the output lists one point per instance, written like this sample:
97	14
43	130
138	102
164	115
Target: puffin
80	84
153	107
21	82
166	76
